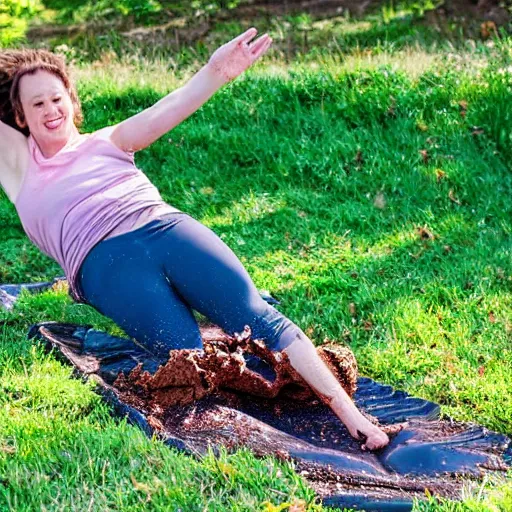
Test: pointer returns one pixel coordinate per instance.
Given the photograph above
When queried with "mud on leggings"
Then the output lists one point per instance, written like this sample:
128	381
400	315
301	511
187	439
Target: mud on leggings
149	280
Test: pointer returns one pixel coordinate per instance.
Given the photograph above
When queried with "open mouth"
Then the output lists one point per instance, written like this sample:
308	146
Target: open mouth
54	123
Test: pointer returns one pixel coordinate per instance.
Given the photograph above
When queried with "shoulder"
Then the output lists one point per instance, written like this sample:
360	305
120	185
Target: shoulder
109	134
12	136
104	133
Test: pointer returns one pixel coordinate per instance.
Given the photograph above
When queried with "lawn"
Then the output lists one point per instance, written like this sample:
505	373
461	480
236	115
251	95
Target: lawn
365	184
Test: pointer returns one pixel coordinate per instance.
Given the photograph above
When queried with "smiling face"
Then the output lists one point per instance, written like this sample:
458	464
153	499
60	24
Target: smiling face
47	111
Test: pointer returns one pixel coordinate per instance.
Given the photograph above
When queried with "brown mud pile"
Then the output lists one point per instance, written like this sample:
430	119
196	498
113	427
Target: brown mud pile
190	375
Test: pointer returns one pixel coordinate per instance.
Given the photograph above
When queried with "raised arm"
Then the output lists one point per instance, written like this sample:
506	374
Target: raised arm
13	160
229	61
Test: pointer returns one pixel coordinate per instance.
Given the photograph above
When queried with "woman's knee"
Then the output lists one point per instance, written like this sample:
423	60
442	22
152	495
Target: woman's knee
271	326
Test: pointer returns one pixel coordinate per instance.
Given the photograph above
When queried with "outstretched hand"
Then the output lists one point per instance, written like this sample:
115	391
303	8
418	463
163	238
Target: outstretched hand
233	58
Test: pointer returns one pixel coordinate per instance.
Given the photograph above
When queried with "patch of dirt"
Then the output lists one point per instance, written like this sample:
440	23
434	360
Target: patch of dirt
173	31
190	375
484	10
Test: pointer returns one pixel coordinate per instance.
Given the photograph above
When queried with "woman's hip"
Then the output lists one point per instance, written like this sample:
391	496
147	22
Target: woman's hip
131	256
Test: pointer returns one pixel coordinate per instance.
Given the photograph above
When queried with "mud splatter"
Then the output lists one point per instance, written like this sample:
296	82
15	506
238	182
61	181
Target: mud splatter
229	363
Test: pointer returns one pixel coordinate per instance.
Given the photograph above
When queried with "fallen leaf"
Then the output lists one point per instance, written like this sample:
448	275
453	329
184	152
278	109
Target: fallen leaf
452	197
425	156
425	233
463	108
352	309
367	325
282	455
155	423
297	506
488	29
492	318
440	175
392	430
379	201
269	507
139	486
5	448
476	130
61	286
422	127
227	469
481	371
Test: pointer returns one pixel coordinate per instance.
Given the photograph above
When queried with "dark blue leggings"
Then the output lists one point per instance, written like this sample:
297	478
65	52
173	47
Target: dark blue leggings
149	280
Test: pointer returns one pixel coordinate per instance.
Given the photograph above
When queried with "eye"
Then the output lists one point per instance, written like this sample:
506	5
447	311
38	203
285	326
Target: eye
56	100
38	104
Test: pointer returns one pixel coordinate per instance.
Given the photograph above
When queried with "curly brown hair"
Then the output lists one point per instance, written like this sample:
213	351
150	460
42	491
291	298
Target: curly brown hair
14	64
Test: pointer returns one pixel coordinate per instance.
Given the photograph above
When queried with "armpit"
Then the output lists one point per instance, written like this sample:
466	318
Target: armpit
13	161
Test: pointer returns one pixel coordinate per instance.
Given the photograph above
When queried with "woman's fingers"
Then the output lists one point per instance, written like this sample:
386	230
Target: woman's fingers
258	43
261	46
246	36
265	47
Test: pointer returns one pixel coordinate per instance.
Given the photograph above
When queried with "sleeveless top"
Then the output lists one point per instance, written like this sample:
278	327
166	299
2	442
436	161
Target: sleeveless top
89	191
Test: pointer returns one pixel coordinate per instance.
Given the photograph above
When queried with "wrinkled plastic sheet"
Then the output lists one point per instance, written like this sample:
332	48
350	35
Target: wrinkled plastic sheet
429	456
9	293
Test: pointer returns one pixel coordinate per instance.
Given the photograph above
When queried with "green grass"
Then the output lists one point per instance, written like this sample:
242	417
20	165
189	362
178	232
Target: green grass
319	174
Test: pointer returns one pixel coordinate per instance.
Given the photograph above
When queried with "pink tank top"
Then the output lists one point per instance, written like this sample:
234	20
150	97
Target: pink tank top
89	191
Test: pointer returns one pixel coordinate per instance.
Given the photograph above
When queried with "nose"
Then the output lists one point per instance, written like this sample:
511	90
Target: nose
51	110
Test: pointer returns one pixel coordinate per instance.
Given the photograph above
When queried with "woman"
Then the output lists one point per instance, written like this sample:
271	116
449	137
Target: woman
125	252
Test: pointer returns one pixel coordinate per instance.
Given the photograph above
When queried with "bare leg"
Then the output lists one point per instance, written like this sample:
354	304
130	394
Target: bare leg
210	279
306	362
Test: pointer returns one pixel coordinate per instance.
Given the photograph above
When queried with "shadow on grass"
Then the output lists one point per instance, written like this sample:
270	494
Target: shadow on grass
296	35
